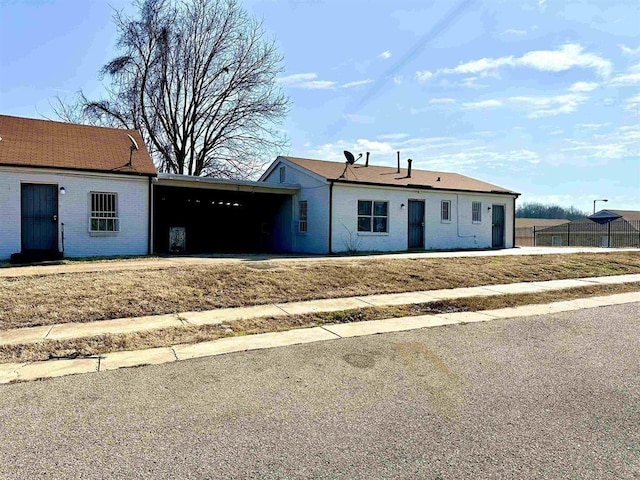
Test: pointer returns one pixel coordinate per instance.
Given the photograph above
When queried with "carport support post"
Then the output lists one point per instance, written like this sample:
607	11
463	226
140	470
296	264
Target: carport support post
569	234
609	235
534	236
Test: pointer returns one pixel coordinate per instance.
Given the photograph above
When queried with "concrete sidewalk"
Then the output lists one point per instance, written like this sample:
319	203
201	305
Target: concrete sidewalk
67	331
10	372
166	262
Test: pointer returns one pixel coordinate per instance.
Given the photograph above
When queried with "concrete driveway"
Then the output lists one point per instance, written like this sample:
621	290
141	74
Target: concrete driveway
163	262
556	396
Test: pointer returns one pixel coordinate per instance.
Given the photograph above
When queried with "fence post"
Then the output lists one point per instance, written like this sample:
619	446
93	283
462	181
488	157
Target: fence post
534	236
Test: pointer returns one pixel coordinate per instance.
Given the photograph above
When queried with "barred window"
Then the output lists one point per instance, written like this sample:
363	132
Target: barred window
104	212
476	212
302	216
373	216
445	210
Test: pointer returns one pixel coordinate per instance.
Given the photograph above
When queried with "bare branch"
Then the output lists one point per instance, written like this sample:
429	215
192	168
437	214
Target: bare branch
198	79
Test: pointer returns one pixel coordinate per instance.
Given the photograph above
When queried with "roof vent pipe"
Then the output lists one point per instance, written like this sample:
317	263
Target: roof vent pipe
409	170
398	162
366	162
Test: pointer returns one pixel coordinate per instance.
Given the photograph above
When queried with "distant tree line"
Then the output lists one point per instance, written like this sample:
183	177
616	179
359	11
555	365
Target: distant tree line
540	210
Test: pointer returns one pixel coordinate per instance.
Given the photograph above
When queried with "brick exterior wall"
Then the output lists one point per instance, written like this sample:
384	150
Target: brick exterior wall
74	211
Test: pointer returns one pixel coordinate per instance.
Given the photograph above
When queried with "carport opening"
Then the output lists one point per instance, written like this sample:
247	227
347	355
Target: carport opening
198	220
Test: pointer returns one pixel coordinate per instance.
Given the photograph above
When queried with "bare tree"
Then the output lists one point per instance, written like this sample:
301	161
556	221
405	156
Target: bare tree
198	79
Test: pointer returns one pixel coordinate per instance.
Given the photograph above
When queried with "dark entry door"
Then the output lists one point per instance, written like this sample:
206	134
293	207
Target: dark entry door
497	226
416	224
39	217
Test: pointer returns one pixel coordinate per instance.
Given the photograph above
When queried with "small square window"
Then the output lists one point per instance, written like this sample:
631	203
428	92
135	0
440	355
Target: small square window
104	212
373	216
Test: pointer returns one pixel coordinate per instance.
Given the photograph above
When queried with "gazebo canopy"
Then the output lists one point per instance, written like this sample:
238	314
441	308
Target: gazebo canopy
604	216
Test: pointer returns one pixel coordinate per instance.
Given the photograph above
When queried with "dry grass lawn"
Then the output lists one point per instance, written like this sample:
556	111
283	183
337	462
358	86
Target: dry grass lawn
194	334
82	297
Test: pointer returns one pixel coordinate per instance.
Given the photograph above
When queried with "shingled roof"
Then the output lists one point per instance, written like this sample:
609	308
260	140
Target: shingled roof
629	215
27	142
389	176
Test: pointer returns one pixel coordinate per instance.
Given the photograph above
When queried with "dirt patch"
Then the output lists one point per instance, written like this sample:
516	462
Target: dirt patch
194	334
83	297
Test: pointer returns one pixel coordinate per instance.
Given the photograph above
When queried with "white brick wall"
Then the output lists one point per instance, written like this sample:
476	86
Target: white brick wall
461	232
316	192
74	211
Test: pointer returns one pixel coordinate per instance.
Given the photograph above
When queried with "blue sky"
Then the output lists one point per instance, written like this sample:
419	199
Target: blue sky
542	97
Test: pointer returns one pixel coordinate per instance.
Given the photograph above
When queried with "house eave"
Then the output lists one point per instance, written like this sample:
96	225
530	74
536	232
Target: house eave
425	188
78	170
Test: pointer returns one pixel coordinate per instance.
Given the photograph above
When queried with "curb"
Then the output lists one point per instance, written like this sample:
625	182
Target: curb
12	372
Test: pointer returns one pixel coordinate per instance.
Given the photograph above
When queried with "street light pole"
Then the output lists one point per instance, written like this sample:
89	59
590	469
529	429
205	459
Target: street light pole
599	200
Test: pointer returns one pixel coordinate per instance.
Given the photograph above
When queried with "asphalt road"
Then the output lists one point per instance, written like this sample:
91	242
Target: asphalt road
541	397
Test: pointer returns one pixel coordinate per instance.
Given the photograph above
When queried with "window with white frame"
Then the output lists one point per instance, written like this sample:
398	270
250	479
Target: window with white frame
445	210
302	216
104	212
476	212
283	175
373	216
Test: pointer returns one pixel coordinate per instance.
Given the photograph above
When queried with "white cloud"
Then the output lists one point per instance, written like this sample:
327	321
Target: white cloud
625	80
534	106
385	55
513	31
397	80
470	82
633	104
583	87
617	144
630	51
423	76
482	66
482	104
568	56
357	83
441	101
540	106
307	81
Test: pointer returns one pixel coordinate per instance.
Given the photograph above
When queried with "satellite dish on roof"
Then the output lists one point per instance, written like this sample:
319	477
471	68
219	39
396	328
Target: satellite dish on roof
134	144
350	158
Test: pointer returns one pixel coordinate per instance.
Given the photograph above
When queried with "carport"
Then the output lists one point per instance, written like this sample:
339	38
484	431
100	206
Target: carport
211	215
